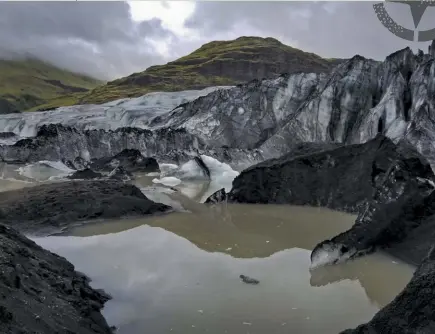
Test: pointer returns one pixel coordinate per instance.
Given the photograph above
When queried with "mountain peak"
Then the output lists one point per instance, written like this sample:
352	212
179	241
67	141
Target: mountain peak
216	63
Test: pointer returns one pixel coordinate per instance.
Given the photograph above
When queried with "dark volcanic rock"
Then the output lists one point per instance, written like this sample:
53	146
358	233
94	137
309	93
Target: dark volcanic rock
412	311
130	159
85	174
49	207
402	199
41	293
342	178
386	184
249	280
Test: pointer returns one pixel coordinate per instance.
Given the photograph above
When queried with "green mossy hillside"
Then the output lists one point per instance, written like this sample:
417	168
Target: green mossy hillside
215	63
27	83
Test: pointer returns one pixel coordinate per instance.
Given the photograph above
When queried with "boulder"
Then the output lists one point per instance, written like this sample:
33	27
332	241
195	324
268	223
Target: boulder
342	178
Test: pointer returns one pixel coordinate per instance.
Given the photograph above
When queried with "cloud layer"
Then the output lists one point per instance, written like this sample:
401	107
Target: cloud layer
107	40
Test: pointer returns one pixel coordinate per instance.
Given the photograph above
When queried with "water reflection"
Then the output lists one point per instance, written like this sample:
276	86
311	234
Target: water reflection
369	271
180	272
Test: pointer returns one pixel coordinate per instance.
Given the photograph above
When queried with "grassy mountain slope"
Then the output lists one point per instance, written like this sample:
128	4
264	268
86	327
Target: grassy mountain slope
215	63
27	83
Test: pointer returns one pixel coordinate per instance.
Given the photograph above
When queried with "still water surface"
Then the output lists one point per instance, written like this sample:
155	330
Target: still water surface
179	273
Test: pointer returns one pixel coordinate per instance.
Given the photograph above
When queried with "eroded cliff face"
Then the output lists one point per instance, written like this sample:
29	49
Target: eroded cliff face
358	100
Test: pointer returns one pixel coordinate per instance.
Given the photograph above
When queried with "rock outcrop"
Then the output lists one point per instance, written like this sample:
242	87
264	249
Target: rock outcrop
387	185
41	293
48	208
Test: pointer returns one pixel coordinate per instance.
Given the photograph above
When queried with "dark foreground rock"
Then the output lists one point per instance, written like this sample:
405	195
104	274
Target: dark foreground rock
47	208
342	178
41	293
403	199
387	185
412	311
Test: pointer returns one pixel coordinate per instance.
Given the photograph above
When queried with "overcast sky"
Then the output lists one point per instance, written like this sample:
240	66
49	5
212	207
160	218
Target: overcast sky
114	39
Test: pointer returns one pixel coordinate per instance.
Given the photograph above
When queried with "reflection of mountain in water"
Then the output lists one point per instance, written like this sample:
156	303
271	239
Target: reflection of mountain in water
244	231
260	231
159	280
368	271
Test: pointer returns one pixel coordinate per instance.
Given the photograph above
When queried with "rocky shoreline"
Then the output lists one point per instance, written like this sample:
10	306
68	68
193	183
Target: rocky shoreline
40	291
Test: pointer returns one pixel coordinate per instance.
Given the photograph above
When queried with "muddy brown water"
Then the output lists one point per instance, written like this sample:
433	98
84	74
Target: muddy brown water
179	273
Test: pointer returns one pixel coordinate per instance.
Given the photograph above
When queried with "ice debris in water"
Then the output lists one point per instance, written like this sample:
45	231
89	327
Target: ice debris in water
44	170
168	181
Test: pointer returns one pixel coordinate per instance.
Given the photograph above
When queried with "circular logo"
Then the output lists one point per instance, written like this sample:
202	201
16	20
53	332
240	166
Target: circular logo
417	9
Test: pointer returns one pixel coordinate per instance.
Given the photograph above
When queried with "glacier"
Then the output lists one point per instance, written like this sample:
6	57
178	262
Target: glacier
243	124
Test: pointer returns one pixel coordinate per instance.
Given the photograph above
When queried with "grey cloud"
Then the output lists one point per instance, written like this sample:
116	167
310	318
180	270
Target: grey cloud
98	38
331	29
101	39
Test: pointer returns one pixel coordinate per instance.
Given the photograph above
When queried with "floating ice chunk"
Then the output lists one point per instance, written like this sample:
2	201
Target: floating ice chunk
221	174
164	168
191	170
168	181
45	170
